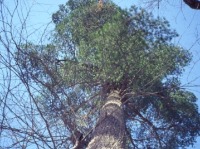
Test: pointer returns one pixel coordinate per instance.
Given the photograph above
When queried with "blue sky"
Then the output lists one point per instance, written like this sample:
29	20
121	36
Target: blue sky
181	17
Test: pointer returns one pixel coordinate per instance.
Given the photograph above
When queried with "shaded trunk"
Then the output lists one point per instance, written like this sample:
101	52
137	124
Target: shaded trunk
110	128
195	4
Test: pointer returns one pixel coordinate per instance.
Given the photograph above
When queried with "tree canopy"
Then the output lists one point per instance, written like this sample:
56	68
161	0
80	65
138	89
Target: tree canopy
99	48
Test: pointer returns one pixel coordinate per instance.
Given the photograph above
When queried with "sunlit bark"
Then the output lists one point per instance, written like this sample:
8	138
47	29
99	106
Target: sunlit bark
109	131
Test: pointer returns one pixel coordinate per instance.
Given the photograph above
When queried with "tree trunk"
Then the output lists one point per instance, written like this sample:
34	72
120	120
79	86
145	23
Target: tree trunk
195	4
110	128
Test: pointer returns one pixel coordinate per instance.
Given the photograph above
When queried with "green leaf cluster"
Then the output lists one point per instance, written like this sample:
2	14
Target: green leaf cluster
131	42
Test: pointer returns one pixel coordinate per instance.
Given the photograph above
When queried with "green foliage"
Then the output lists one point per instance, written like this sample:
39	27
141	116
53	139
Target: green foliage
132	43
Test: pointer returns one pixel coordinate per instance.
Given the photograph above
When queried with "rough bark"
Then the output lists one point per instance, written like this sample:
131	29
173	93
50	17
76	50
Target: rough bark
194	4
109	131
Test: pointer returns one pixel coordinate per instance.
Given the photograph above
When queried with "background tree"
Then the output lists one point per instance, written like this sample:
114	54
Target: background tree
194	4
93	53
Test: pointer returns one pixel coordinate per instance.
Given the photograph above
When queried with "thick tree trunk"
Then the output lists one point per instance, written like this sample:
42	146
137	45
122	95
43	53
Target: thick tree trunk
110	129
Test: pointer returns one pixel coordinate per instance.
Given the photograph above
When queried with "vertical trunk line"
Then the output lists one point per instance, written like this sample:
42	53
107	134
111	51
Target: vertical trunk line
110	128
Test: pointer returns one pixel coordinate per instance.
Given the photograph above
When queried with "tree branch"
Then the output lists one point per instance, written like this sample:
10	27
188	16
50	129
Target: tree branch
194	4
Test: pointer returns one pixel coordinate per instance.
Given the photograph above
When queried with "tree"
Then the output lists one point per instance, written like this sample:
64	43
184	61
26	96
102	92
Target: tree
119	62
103	40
